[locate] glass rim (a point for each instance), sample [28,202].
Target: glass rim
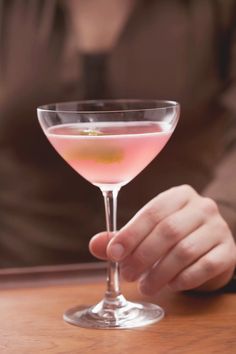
[166,104]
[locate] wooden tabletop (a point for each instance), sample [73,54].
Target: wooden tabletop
[32,302]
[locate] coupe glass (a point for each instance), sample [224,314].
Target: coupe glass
[109,142]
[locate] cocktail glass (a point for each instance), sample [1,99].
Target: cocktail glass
[109,142]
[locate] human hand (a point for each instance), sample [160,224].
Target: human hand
[178,239]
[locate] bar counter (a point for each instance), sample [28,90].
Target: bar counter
[32,302]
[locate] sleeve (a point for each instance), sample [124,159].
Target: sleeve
[31,40]
[31,56]
[223,188]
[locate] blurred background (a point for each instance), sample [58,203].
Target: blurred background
[53,51]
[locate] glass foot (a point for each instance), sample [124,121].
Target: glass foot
[128,315]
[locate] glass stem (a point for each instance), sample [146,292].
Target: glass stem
[112,295]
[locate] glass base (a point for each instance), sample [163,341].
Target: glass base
[103,315]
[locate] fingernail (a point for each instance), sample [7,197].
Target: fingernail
[116,251]
[144,288]
[148,288]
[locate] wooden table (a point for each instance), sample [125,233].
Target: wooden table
[32,302]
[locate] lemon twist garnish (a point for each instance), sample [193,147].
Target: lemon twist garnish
[90,132]
[100,154]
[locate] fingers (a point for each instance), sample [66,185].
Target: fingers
[184,254]
[128,238]
[177,239]
[199,258]
[163,237]
[214,263]
[98,245]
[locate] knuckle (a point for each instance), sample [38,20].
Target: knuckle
[185,251]
[209,206]
[222,228]
[151,214]
[169,228]
[187,189]
[210,265]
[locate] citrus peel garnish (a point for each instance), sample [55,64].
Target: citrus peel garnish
[101,154]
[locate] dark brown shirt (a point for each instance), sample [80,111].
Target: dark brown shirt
[177,50]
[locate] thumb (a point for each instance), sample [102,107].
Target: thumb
[98,245]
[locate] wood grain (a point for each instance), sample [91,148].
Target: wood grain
[31,322]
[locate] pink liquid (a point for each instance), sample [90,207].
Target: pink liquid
[109,153]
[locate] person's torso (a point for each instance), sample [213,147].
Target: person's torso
[167,50]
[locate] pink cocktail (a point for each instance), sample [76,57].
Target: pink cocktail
[109,153]
[109,142]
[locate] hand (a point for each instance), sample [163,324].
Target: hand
[178,239]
